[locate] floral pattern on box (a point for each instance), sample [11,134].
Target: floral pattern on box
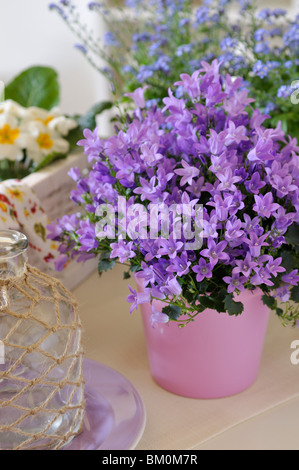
[20,209]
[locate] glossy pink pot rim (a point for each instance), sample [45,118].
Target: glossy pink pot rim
[215,356]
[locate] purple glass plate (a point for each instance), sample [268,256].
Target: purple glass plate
[115,414]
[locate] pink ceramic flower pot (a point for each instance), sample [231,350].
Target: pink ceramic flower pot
[213,357]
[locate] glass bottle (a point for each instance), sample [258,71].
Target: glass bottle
[41,383]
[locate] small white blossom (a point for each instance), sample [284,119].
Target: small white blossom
[32,132]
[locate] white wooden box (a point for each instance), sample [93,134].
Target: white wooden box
[53,186]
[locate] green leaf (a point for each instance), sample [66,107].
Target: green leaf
[36,86]
[269,301]
[292,235]
[105,263]
[52,157]
[295,294]
[279,312]
[190,296]
[288,260]
[172,311]
[284,118]
[219,306]
[13,170]
[202,287]
[133,268]
[219,300]
[88,120]
[127,275]
[74,136]
[200,308]
[232,307]
[284,126]
[207,302]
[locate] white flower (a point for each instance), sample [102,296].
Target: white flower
[12,139]
[43,141]
[62,124]
[11,108]
[38,114]
[54,119]
[37,131]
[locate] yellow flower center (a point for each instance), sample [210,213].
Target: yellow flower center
[8,135]
[46,121]
[44,141]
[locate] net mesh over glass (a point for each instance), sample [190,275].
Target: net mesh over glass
[41,379]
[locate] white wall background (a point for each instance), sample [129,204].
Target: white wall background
[291,5]
[30,34]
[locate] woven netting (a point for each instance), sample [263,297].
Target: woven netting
[41,379]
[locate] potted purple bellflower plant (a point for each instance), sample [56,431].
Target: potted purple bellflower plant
[199,200]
